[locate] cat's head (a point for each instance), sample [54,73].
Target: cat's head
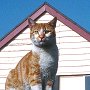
[43,34]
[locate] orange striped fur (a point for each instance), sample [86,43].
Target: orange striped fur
[29,71]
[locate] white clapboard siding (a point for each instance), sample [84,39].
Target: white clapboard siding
[4,72]
[12,53]
[74,51]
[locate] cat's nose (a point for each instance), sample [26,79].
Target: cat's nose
[42,36]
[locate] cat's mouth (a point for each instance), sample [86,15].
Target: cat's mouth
[40,42]
[43,42]
[41,39]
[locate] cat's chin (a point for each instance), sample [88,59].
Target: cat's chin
[41,44]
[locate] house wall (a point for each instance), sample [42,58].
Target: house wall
[74,51]
[12,53]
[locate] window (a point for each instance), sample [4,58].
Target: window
[72,83]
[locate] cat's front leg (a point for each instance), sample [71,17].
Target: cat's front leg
[36,87]
[35,82]
[49,85]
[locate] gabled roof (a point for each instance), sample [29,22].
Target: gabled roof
[45,8]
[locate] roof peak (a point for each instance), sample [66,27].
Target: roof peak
[45,7]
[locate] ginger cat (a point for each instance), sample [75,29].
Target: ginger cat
[37,69]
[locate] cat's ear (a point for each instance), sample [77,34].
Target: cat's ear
[31,22]
[53,22]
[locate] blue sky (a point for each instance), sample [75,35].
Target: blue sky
[13,12]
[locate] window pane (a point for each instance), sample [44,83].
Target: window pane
[72,83]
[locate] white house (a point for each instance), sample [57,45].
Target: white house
[74,50]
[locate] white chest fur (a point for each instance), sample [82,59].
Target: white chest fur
[48,56]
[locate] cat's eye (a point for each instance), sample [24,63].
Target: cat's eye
[35,31]
[46,31]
